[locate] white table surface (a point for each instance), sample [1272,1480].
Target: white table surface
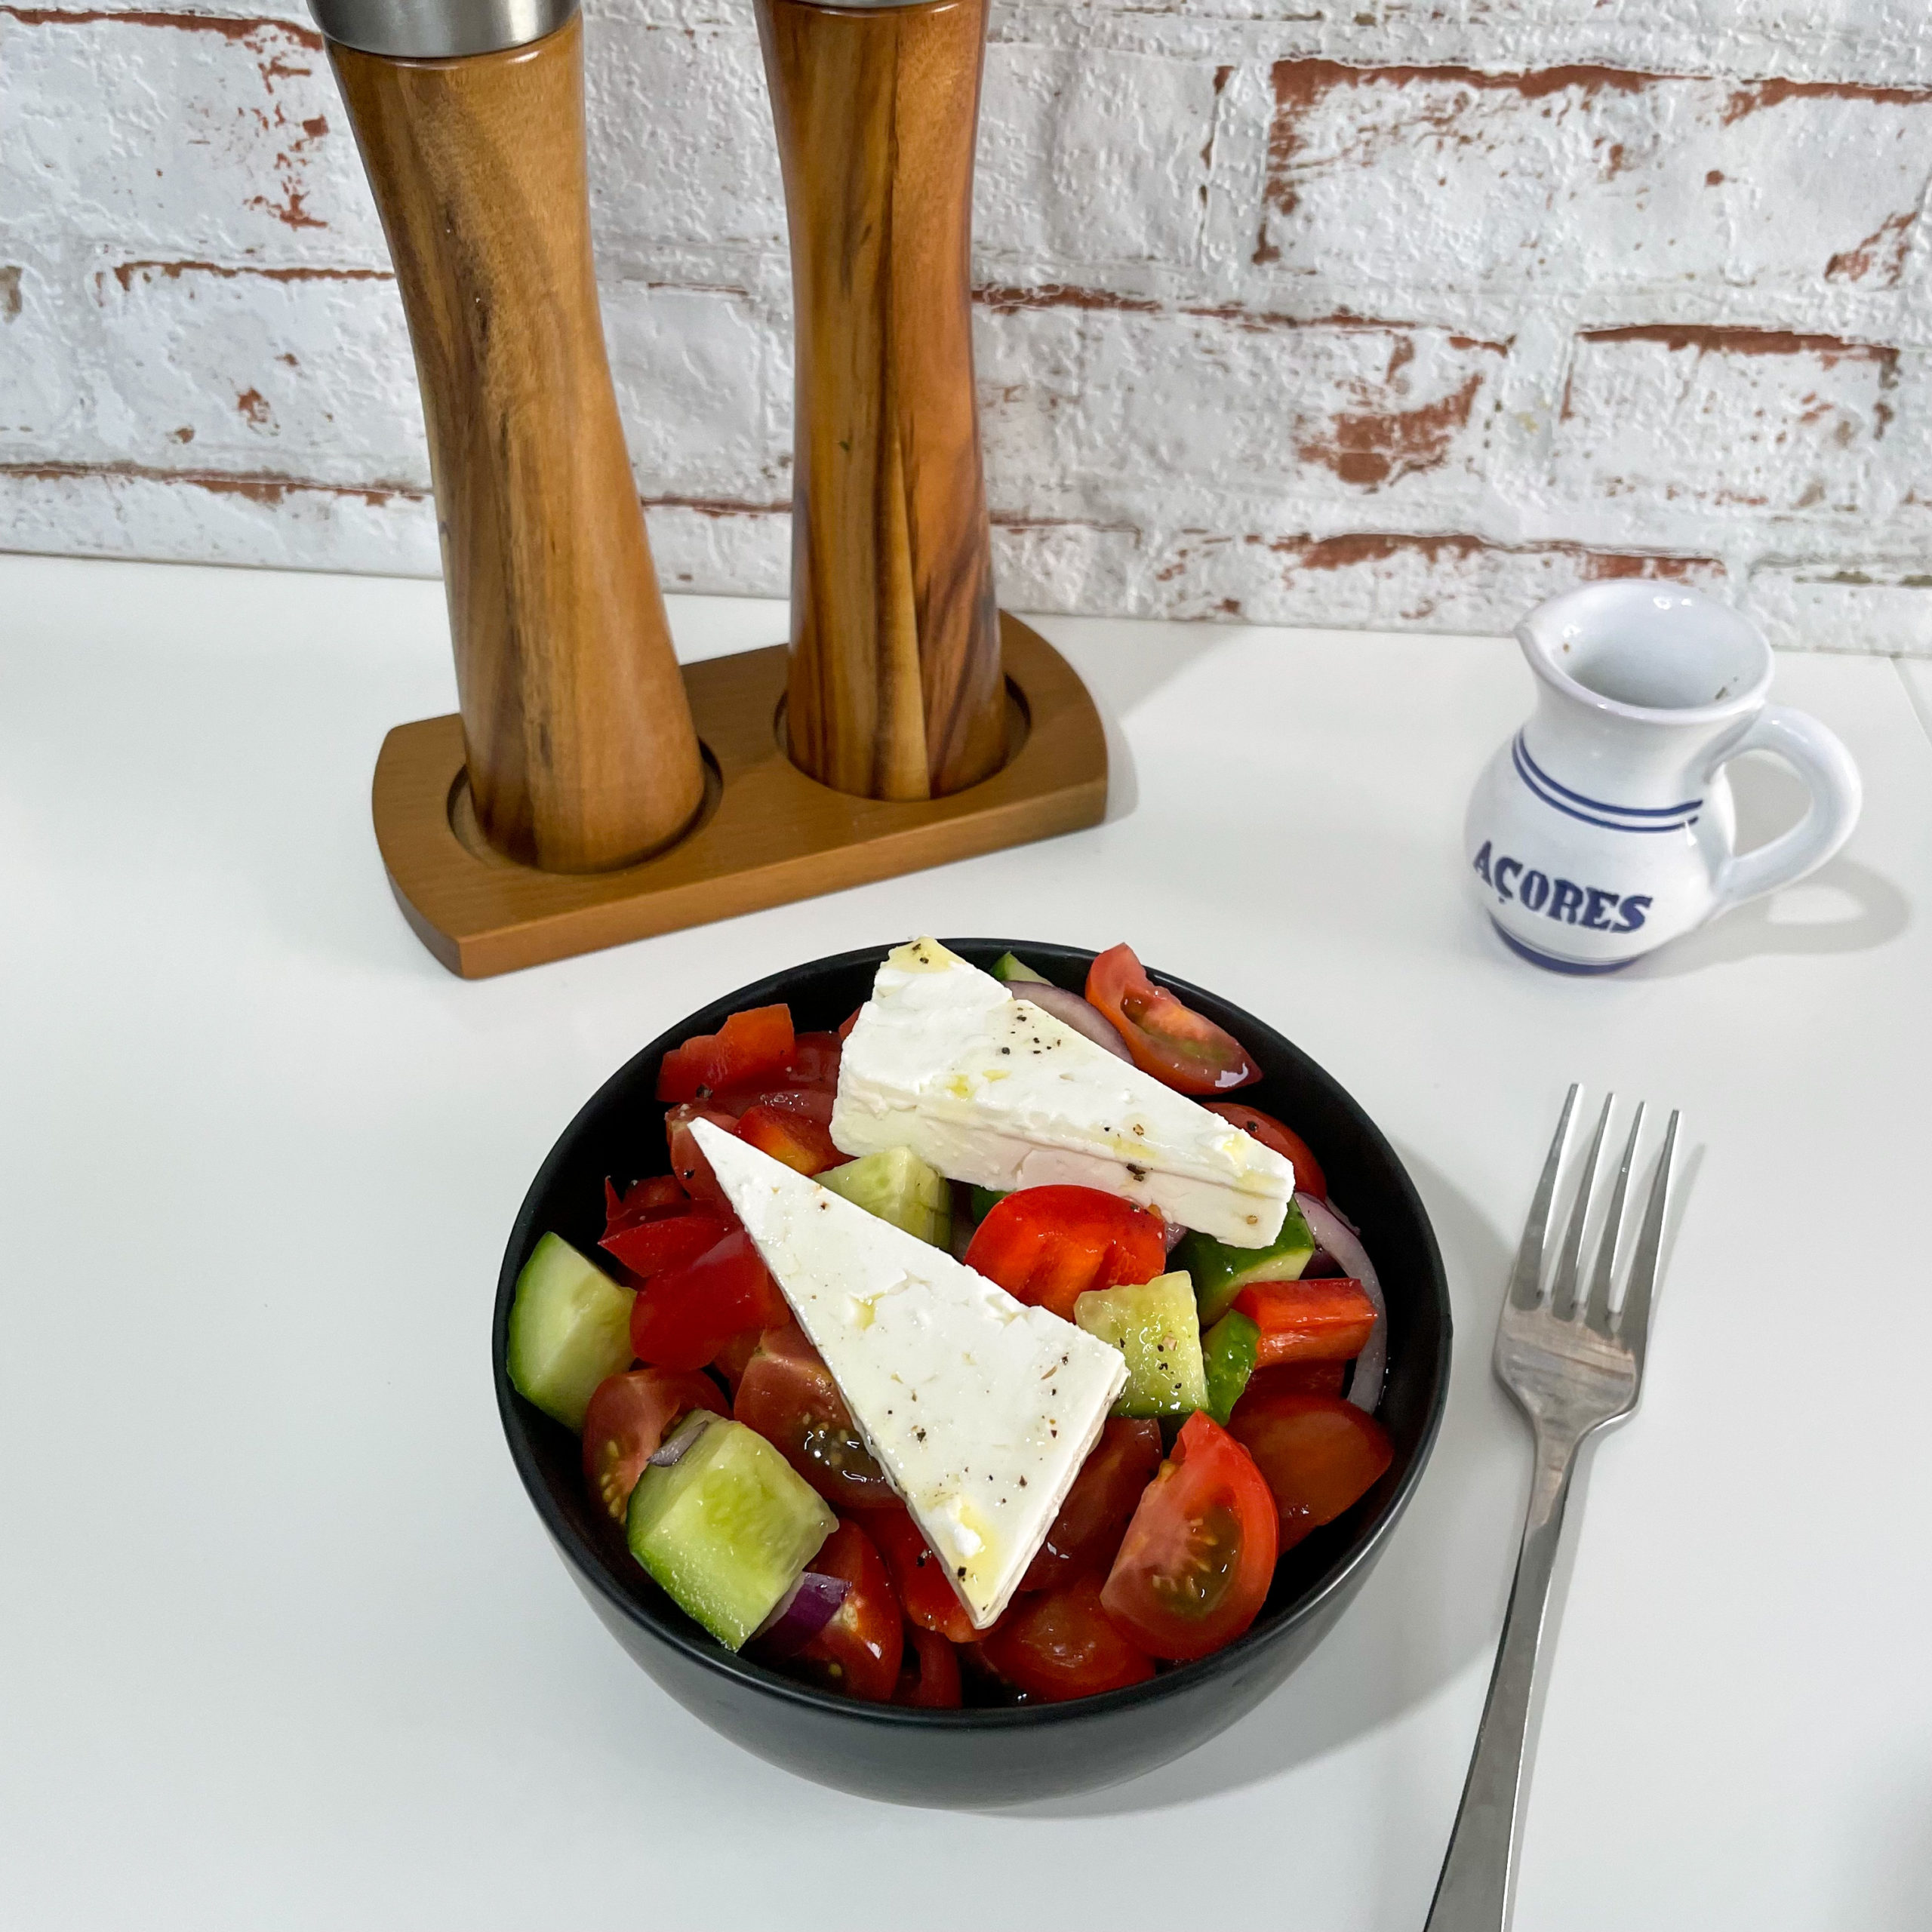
[281,1643]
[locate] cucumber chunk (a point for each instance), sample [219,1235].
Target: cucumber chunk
[1010,969]
[727,1529]
[899,1187]
[985,1200]
[1220,1272]
[1227,1353]
[1154,1326]
[569,1327]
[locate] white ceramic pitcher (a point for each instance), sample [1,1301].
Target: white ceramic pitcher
[1604,827]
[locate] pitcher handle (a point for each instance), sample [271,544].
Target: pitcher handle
[1821,760]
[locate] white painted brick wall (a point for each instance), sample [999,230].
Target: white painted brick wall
[1392,311]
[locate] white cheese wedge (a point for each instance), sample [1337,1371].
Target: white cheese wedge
[991,1089]
[980,1409]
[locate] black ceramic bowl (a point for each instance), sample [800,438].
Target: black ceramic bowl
[984,1757]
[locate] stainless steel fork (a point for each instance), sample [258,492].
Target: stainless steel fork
[1573,1365]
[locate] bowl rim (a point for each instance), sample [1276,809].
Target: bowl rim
[590,1563]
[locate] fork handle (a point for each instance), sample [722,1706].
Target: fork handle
[1478,1873]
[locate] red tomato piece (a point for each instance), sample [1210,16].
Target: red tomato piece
[846,1025]
[789,1135]
[1317,1454]
[858,1651]
[920,1577]
[788,1396]
[1271,1132]
[1193,1568]
[1094,1518]
[1048,1245]
[929,1672]
[1295,1378]
[1064,1645]
[629,1417]
[748,1047]
[647,1247]
[687,1162]
[682,1317]
[1318,1320]
[814,1061]
[1167,1038]
[732,1360]
[642,1201]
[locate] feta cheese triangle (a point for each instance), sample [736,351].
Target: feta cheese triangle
[980,1409]
[990,1089]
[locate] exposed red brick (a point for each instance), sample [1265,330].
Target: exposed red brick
[229,26]
[253,405]
[1885,248]
[265,486]
[1738,341]
[1003,300]
[1300,84]
[10,291]
[1775,92]
[124,272]
[1336,553]
[1370,448]
[715,506]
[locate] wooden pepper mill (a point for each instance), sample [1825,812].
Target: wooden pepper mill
[577,735]
[920,725]
[895,689]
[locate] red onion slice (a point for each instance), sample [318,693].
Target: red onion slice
[1070,1009]
[1173,1234]
[671,1451]
[802,1612]
[1339,1239]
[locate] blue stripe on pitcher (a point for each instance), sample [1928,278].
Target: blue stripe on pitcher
[1545,788]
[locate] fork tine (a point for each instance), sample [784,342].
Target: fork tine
[1526,1284]
[1633,1323]
[1598,1314]
[1563,1289]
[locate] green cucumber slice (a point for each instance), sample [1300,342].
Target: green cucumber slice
[569,1327]
[1220,1272]
[1227,1353]
[899,1187]
[985,1200]
[1010,970]
[1153,1325]
[727,1529]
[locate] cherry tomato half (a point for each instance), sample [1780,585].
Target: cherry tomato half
[682,1317]
[1194,1566]
[789,1133]
[748,1046]
[1317,1454]
[1063,1643]
[1318,1320]
[670,1241]
[858,1651]
[1271,1132]
[919,1576]
[787,1394]
[643,1200]
[1048,1245]
[928,1672]
[1167,1039]
[687,1162]
[1294,1378]
[628,1419]
[1093,1519]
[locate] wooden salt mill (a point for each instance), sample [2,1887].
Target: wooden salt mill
[578,740]
[895,689]
[572,804]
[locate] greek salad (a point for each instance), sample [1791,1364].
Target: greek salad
[989,1350]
